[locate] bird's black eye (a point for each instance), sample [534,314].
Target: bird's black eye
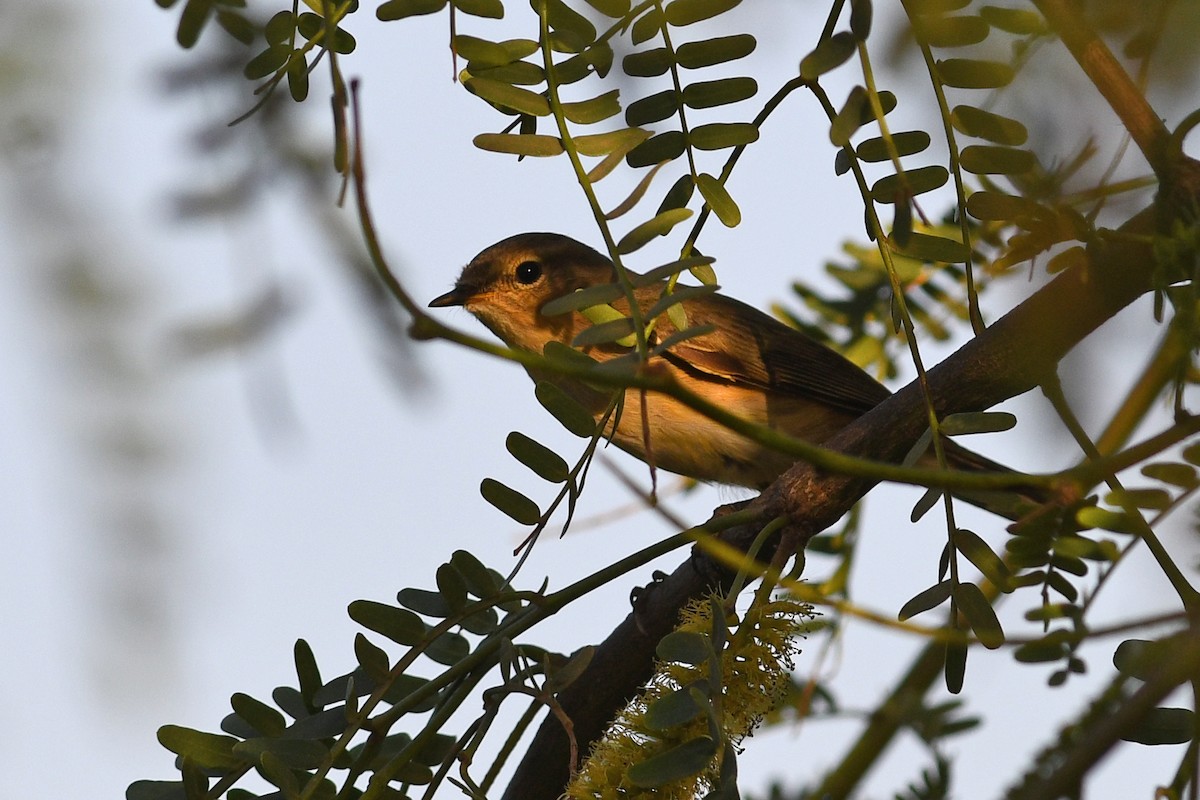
[528,272]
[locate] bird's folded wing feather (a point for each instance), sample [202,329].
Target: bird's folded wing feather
[749,347]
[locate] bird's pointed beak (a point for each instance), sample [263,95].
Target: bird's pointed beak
[455,297]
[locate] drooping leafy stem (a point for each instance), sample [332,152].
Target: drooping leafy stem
[552,95]
[939,93]
[1188,596]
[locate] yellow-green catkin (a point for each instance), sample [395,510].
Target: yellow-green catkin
[755,663]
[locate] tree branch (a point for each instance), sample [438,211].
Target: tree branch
[1009,358]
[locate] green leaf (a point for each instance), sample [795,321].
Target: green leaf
[861,13]
[956,667]
[679,762]
[267,62]
[510,501]
[610,326]
[545,463]
[297,77]
[566,410]
[646,27]
[517,73]
[687,12]
[293,753]
[307,673]
[907,143]
[481,53]
[278,774]
[707,52]
[1096,517]
[192,21]
[156,790]
[1154,499]
[828,55]
[993,160]
[982,556]
[481,581]
[562,675]
[508,96]
[260,716]
[913,182]
[684,647]
[489,9]
[1051,647]
[583,298]
[660,225]
[663,147]
[400,625]
[399,9]
[1164,726]
[960,30]
[978,421]
[372,659]
[207,750]
[588,112]
[982,124]
[665,271]
[519,144]
[850,117]
[980,614]
[566,20]
[675,709]
[681,294]
[969,73]
[1018,21]
[452,587]
[927,501]
[924,600]
[619,141]
[423,601]
[680,192]
[719,135]
[448,649]
[708,94]
[718,199]
[654,108]
[925,247]
[1141,658]
[611,8]
[1181,475]
[647,63]
[988,206]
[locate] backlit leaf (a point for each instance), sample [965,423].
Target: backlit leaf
[719,135]
[660,225]
[718,200]
[520,144]
[906,143]
[986,125]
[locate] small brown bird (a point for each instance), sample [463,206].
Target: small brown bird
[750,363]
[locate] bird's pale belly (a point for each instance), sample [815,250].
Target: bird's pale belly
[686,442]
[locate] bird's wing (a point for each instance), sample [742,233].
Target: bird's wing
[749,347]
